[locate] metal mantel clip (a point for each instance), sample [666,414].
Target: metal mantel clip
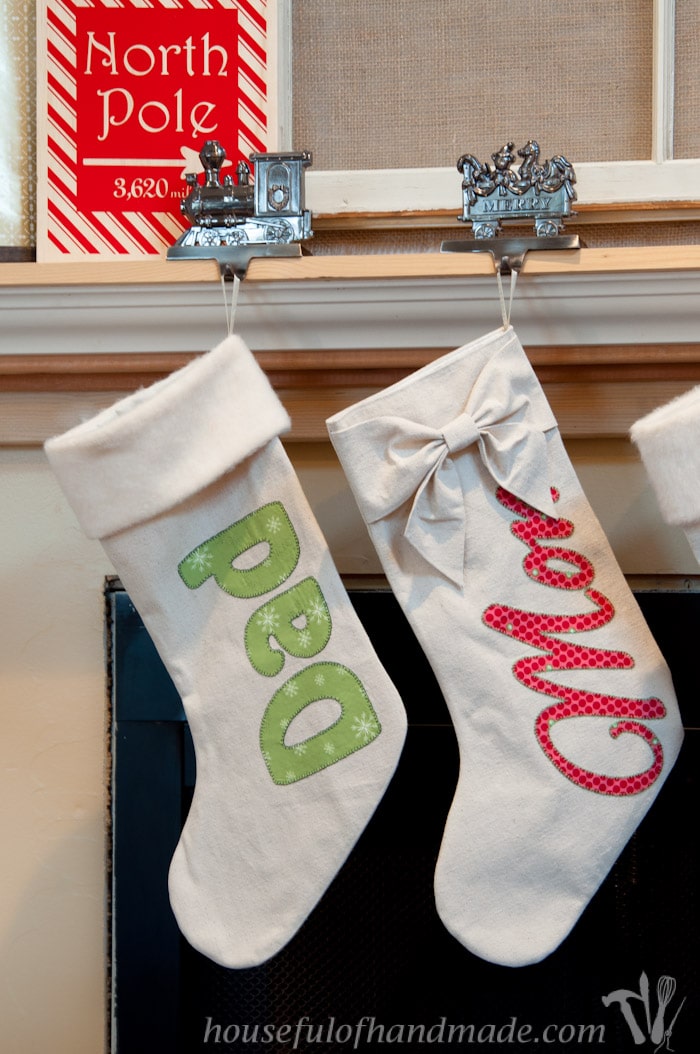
[499,194]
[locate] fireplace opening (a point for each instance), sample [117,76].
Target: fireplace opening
[373,965]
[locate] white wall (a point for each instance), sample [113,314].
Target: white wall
[52,766]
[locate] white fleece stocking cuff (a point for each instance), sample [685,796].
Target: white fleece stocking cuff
[200,422]
[669,443]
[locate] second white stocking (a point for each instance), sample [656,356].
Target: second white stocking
[564,709]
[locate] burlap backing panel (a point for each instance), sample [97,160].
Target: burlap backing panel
[416,83]
[686,139]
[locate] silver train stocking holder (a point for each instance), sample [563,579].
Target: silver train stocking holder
[234,220]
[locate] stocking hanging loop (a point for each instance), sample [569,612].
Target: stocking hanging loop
[509,257]
[230,305]
[507,308]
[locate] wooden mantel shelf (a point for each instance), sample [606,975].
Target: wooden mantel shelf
[632,260]
[611,333]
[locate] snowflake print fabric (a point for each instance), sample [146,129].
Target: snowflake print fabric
[355,726]
[275,621]
[297,728]
[563,707]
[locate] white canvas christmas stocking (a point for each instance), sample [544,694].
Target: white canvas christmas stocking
[297,728]
[563,706]
[669,443]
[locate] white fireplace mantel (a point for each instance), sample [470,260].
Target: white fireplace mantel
[333,306]
[611,333]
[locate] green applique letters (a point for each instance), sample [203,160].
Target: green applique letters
[355,728]
[297,622]
[275,621]
[215,557]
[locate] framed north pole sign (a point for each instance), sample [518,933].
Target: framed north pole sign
[128,92]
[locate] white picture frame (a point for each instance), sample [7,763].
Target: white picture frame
[662,180]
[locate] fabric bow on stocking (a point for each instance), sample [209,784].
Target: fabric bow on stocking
[409,460]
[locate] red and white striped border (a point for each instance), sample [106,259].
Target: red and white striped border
[64,231]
